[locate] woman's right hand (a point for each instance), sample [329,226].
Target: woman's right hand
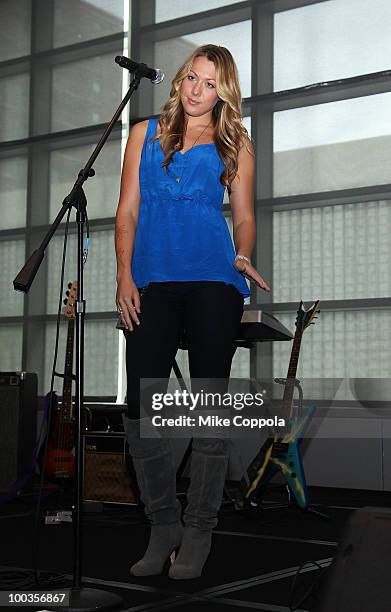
[128,301]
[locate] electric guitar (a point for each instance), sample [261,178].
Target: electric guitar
[282,453]
[60,460]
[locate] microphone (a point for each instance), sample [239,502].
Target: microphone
[153,74]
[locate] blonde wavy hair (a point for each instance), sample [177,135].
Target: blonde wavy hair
[230,133]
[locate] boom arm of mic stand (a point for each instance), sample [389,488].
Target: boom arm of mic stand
[26,275]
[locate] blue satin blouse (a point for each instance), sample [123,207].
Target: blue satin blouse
[181,233]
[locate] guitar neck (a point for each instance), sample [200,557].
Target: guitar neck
[66,407]
[305,317]
[291,376]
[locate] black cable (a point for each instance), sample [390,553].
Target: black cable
[24,580]
[87,241]
[295,589]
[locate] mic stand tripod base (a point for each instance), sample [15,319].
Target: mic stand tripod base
[91,600]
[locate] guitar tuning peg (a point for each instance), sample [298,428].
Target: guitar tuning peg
[69,285]
[65,301]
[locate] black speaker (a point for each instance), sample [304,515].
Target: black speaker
[18,424]
[359,577]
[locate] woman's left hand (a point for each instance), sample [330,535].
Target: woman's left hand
[251,273]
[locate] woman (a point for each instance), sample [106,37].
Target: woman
[177,273]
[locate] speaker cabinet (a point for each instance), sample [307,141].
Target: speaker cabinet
[18,424]
[359,577]
[108,470]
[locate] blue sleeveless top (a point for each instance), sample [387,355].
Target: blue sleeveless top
[181,233]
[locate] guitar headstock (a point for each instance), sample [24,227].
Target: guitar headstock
[305,317]
[70,301]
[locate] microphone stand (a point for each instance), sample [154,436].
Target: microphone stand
[81,598]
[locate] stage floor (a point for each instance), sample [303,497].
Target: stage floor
[253,562]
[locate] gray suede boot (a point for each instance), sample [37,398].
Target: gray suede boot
[207,476]
[156,476]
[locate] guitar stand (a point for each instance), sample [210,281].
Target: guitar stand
[291,504]
[284,456]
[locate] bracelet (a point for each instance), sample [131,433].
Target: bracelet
[243,257]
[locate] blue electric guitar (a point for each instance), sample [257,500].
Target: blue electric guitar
[282,453]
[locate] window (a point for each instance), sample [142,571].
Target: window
[179,8]
[330,146]
[331,40]
[48,131]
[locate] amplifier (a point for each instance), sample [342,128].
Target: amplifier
[105,417]
[18,430]
[108,469]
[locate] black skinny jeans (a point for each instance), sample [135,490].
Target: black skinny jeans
[207,312]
